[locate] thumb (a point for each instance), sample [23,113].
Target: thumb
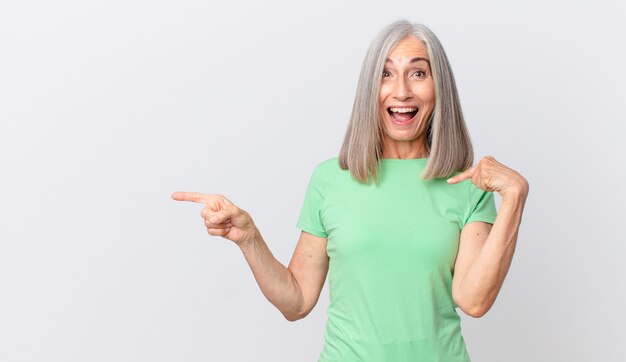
[224,202]
[228,212]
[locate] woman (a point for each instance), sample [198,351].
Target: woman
[401,252]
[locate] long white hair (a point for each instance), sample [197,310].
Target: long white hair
[448,141]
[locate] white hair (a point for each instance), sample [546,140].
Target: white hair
[448,141]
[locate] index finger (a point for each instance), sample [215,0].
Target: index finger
[462,176]
[190,196]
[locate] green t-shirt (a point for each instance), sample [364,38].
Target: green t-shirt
[392,250]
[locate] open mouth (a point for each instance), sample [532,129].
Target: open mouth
[402,115]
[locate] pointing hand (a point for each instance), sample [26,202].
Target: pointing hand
[490,175]
[222,217]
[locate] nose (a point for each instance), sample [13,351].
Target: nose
[402,90]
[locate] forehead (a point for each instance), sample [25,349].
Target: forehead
[408,48]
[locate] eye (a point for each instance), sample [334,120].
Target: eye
[386,73]
[420,73]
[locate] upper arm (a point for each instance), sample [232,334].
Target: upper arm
[472,239]
[309,266]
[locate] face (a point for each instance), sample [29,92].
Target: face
[407,96]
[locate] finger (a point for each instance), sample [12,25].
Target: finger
[190,196]
[462,176]
[224,201]
[218,232]
[206,213]
[224,215]
[225,225]
[477,180]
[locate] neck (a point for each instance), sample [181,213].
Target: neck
[405,149]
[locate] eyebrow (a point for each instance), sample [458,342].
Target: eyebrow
[414,60]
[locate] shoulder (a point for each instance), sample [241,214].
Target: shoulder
[326,171]
[327,167]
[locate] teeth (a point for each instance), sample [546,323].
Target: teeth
[403,110]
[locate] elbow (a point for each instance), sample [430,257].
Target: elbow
[295,314]
[292,317]
[474,310]
[477,311]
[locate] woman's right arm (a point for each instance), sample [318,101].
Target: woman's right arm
[295,289]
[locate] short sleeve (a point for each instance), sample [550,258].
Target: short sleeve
[482,205]
[310,219]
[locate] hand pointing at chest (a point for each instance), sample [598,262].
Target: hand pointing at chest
[490,175]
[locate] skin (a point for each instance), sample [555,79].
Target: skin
[406,82]
[485,250]
[295,289]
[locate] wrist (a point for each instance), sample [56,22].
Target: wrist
[516,195]
[249,243]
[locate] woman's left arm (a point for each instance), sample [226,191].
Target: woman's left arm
[485,251]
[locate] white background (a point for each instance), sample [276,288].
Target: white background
[107,107]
